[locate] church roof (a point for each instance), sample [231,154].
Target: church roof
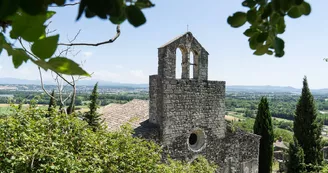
[179,37]
[134,113]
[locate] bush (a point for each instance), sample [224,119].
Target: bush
[246,125]
[30,142]
[287,136]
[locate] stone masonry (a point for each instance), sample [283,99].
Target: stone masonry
[188,113]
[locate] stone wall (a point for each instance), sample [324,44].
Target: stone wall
[189,104]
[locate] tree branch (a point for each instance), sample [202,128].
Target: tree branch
[42,85]
[118,33]
[64,5]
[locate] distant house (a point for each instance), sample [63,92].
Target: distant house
[279,153]
[279,145]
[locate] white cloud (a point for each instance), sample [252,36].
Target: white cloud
[106,75]
[87,54]
[138,76]
[119,66]
[137,73]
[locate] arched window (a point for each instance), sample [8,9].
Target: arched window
[178,63]
[191,67]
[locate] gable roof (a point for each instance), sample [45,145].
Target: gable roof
[179,37]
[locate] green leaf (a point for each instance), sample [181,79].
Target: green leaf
[262,37]
[8,8]
[274,18]
[88,13]
[249,3]
[100,8]
[144,4]
[276,5]
[251,16]
[279,46]
[237,19]
[19,56]
[285,5]
[298,2]
[117,7]
[261,50]
[253,41]
[267,11]
[281,26]
[250,32]
[269,52]
[2,41]
[50,14]
[305,8]
[30,28]
[41,63]
[82,6]
[66,66]
[59,2]
[33,7]
[118,20]
[295,12]
[46,47]
[135,15]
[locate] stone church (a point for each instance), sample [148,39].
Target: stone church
[189,112]
[186,116]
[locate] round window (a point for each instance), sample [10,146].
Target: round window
[196,140]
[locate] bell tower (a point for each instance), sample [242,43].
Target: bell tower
[188,111]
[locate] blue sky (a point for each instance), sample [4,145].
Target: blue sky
[133,56]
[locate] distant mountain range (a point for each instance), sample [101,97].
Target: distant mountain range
[233,88]
[268,88]
[81,82]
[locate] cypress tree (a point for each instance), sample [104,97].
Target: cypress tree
[295,162]
[52,102]
[307,128]
[263,127]
[92,116]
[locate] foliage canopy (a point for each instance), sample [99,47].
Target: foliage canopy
[267,21]
[28,24]
[263,127]
[31,142]
[307,129]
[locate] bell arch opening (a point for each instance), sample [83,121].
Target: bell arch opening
[178,63]
[191,61]
[193,64]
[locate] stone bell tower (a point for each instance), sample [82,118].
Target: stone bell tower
[188,111]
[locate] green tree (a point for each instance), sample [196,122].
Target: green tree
[263,127]
[31,143]
[52,102]
[26,21]
[307,128]
[267,21]
[295,162]
[248,113]
[92,116]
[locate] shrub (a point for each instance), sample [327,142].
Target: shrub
[286,135]
[31,142]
